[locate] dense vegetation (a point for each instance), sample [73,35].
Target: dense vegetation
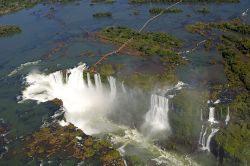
[7,30]
[205,28]
[102,14]
[145,43]
[61,142]
[167,1]
[187,105]
[235,138]
[159,10]
[234,45]
[8,6]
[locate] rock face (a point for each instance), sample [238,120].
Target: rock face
[57,141]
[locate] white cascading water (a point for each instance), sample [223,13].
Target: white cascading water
[123,87]
[200,137]
[244,13]
[157,117]
[161,157]
[112,84]
[228,116]
[85,104]
[206,145]
[211,117]
[205,140]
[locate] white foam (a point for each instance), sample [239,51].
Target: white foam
[85,104]
[22,66]
[63,123]
[211,117]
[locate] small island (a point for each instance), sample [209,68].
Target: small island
[158,10]
[203,10]
[102,14]
[8,30]
[146,44]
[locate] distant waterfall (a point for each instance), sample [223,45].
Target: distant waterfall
[206,145]
[98,82]
[123,87]
[211,125]
[211,117]
[201,136]
[112,84]
[244,13]
[228,116]
[156,118]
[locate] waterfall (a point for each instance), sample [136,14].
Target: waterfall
[157,116]
[112,84]
[244,13]
[228,116]
[206,146]
[89,81]
[123,87]
[217,101]
[211,118]
[86,104]
[200,138]
[98,82]
[203,140]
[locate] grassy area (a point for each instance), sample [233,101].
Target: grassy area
[205,28]
[158,10]
[203,10]
[8,30]
[145,43]
[102,14]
